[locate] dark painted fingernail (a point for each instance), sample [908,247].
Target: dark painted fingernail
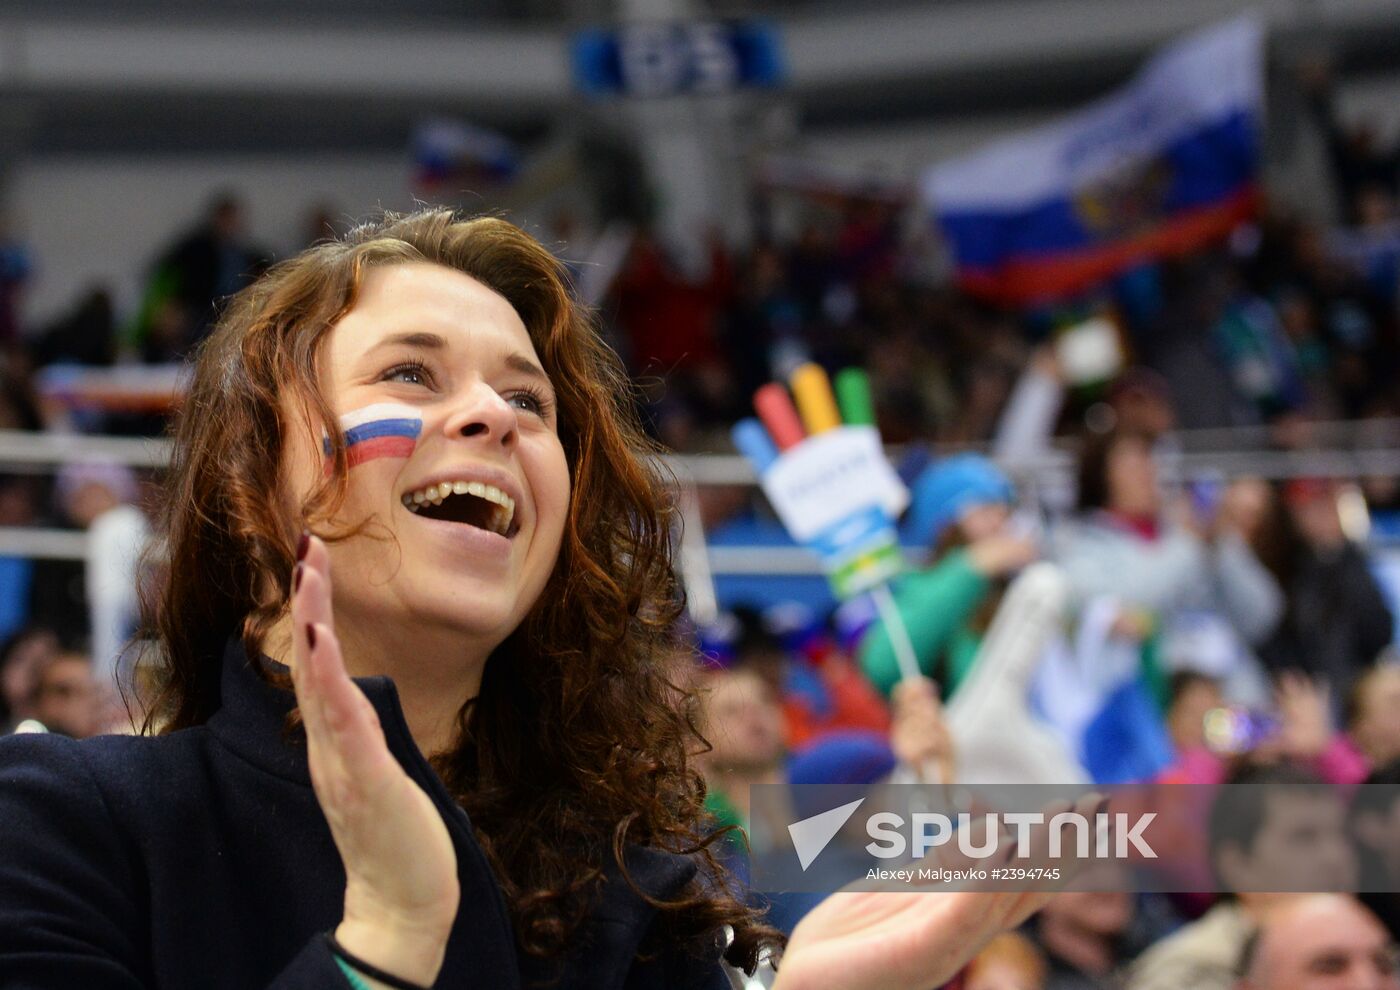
[311,635]
[297,572]
[303,544]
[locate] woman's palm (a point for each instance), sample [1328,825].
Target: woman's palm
[400,864]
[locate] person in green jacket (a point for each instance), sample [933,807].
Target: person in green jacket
[961,507]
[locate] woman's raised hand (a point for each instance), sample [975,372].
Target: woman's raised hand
[401,891]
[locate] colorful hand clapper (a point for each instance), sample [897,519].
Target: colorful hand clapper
[822,466]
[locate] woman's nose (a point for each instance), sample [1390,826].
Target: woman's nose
[485,416]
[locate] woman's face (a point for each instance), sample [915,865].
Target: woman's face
[743,720]
[1132,479]
[979,522]
[465,517]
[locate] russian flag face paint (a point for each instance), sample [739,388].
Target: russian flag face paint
[385,429]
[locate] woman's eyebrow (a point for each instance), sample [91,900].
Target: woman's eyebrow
[522,364]
[430,341]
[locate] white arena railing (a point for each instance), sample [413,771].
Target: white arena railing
[1354,450]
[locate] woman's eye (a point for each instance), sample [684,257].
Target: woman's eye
[411,374]
[528,402]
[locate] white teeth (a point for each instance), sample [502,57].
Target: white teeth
[434,494]
[493,494]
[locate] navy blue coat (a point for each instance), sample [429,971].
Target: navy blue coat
[202,859]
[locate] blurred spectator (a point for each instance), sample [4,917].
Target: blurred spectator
[66,698]
[1375,824]
[87,334]
[1360,164]
[19,406]
[1319,942]
[743,722]
[1297,735]
[1190,589]
[961,507]
[670,327]
[191,278]
[1373,714]
[100,498]
[1261,357]
[44,592]
[764,319]
[743,719]
[1308,735]
[1372,247]
[1139,402]
[1081,933]
[1191,695]
[1010,961]
[1299,731]
[1284,830]
[1336,621]
[818,687]
[22,657]
[1142,405]
[1089,936]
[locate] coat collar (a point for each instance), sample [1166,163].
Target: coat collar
[252,716]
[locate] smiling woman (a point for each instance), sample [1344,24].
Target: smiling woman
[460,762]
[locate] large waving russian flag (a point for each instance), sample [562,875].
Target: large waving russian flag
[1161,167]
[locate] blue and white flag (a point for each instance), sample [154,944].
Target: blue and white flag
[1094,693]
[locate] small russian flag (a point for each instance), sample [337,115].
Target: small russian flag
[385,429]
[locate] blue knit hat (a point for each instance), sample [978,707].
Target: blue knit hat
[847,756]
[946,489]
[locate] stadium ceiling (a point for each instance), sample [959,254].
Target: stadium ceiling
[338,74]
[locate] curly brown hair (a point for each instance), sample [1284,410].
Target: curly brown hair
[606,760]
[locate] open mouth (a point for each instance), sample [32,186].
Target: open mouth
[470,502]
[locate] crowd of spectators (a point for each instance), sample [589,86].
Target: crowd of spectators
[1289,323]
[1285,813]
